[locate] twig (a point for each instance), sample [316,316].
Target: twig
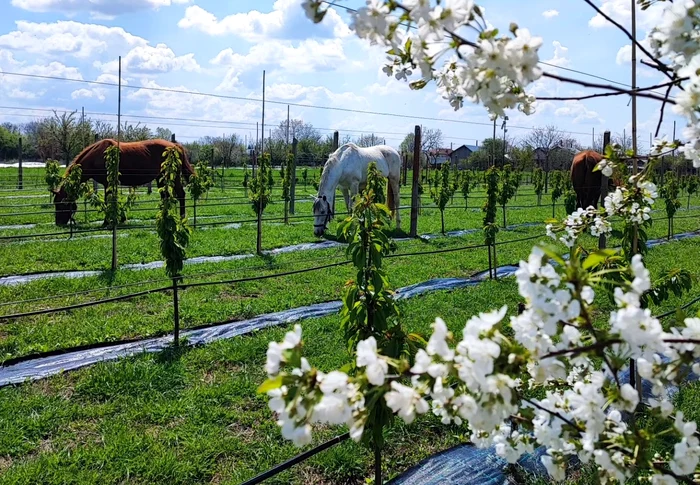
[609,87]
[553,413]
[596,346]
[663,108]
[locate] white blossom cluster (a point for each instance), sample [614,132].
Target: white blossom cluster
[491,70]
[329,398]
[677,38]
[479,381]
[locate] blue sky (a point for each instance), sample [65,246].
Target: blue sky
[223,47]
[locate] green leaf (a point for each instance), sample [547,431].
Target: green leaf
[270,384]
[597,258]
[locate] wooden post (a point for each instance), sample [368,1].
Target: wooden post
[293,188]
[336,140]
[604,189]
[20,183]
[415,196]
[114,189]
[258,245]
[176,314]
[94,182]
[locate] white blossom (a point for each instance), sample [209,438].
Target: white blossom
[405,401]
[376,367]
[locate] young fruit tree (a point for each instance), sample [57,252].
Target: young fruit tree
[507,187]
[670,191]
[173,232]
[538,182]
[467,183]
[441,191]
[52,176]
[552,375]
[261,194]
[200,183]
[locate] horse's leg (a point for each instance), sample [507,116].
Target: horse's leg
[346,196]
[354,190]
[180,194]
[394,187]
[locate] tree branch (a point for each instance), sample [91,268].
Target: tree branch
[660,66]
[619,92]
[609,87]
[661,114]
[579,350]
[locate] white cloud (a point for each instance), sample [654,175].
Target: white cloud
[578,111]
[27,88]
[624,55]
[68,37]
[99,93]
[548,14]
[286,21]
[560,53]
[295,93]
[98,8]
[88,93]
[307,57]
[147,59]
[620,11]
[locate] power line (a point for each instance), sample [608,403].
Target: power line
[299,105]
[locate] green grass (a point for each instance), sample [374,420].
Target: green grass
[193,416]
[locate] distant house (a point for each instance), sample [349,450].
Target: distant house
[439,156]
[459,156]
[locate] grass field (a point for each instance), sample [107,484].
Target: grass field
[193,415]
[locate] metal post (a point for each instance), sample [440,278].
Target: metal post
[287,135]
[262,126]
[114,189]
[293,188]
[94,182]
[493,145]
[604,189]
[20,174]
[634,88]
[176,314]
[415,197]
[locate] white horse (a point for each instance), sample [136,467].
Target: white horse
[347,168]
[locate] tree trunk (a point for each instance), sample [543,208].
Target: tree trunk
[259,239]
[377,465]
[504,216]
[442,220]
[194,206]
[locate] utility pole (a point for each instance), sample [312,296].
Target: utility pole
[262,131]
[493,144]
[288,127]
[505,130]
[634,87]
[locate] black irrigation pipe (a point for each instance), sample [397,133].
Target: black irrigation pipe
[263,277]
[686,305]
[83,305]
[84,292]
[297,459]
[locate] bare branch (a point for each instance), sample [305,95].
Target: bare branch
[609,87]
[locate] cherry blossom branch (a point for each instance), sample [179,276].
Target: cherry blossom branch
[609,87]
[553,413]
[669,85]
[660,66]
[602,345]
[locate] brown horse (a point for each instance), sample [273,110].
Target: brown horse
[139,164]
[586,182]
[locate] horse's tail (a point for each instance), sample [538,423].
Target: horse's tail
[390,196]
[187,168]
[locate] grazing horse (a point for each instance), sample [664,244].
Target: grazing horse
[139,164]
[586,182]
[347,168]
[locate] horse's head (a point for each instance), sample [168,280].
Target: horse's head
[323,214]
[64,207]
